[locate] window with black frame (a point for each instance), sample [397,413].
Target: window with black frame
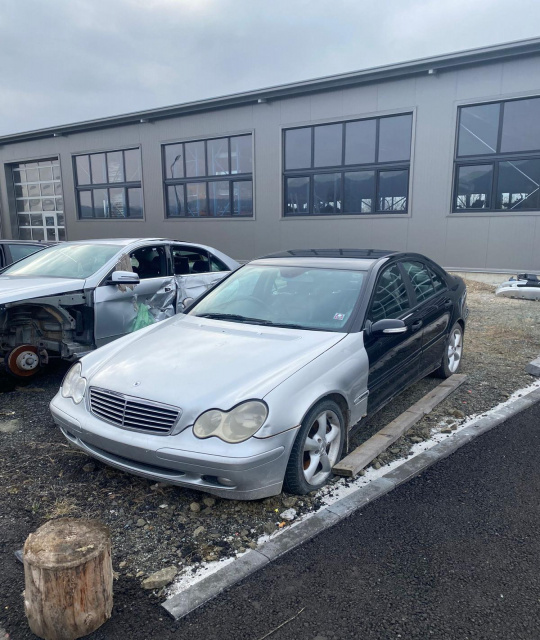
[497,163]
[109,185]
[209,178]
[353,168]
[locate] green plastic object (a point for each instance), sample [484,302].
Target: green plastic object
[143,318]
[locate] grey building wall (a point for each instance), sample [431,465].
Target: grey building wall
[504,241]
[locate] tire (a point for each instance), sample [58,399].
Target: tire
[453,353]
[313,456]
[23,362]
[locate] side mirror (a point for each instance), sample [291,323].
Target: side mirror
[387,327]
[187,302]
[124,277]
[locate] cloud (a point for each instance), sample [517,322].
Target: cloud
[73,60]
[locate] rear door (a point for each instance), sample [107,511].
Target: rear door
[394,358]
[195,270]
[121,309]
[433,308]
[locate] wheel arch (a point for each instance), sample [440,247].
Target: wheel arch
[339,399]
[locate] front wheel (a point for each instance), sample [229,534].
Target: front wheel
[453,352]
[316,450]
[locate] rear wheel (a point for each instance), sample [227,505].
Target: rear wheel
[453,351]
[23,361]
[316,450]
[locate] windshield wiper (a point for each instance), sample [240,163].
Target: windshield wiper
[234,317]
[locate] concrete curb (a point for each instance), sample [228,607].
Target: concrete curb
[197,594]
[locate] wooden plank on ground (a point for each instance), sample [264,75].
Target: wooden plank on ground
[353,463]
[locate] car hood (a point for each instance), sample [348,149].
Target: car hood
[198,364]
[15,288]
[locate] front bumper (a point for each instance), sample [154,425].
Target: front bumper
[249,470]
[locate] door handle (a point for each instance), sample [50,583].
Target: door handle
[168,289]
[416,325]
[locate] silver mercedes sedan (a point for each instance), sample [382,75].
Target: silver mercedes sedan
[254,386]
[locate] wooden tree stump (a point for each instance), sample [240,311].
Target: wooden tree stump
[68,578]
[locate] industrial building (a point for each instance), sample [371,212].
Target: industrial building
[439,155]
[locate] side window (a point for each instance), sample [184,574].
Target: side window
[149,262]
[217,265]
[188,261]
[390,299]
[20,251]
[420,280]
[438,282]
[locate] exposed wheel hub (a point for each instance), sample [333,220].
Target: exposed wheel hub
[27,360]
[23,361]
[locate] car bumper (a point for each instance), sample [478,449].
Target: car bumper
[249,470]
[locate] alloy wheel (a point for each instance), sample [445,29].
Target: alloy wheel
[321,447]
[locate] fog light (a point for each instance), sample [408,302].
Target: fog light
[226,482]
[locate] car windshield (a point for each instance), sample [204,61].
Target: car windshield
[295,297]
[65,261]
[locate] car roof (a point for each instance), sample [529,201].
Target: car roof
[34,243]
[350,259]
[360,254]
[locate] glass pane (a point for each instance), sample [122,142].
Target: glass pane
[21,191]
[38,234]
[243,198]
[395,138]
[45,174]
[45,163]
[218,157]
[392,194]
[420,280]
[174,161]
[23,220]
[241,155]
[132,159]
[195,163]
[519,185]
[33,190]
[328,145]
[51,234]
[473,189]
[30,165]
[101,203]
[36,219]
[32,175]
[219,198]
[197,205]
[390,299]
[58,188]
[50,221]
[23,205]
[117,199]
[437,280]
[175,201]
[85,204]
[135,203]
[297,196]
[47,189]
[35,205]
[115,167]
[19,175]
[48,204]
[327,193]
[59,204]
[298,148]
[83,169]
[360,141]
[359,191]
[97,163]
[56,172]
[61,233]
[521,125]
[25,234]
[60,218]
[478,129]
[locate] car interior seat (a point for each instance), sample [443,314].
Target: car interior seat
[181,265]
[200,266]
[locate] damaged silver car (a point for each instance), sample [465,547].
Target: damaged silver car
[71,298]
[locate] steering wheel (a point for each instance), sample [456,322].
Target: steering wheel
[263,305]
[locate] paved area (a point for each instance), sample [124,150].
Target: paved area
[453,554]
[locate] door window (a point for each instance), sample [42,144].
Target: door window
[390,299]
[217,265]
[187,260]
[149,262]
[20,251]
[438,282]
[420,280]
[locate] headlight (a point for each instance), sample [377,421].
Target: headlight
[74,384]
[237,425]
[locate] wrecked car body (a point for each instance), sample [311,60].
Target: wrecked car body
[75,297]
[526,287]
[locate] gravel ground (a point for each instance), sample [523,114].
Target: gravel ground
[155,526]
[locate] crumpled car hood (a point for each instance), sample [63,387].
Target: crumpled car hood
[198,364]
[16,288]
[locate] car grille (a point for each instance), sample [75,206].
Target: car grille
[133,413]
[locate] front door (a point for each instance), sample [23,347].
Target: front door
[394,358]
[121,309]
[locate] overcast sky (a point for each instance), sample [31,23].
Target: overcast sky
[64,61]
